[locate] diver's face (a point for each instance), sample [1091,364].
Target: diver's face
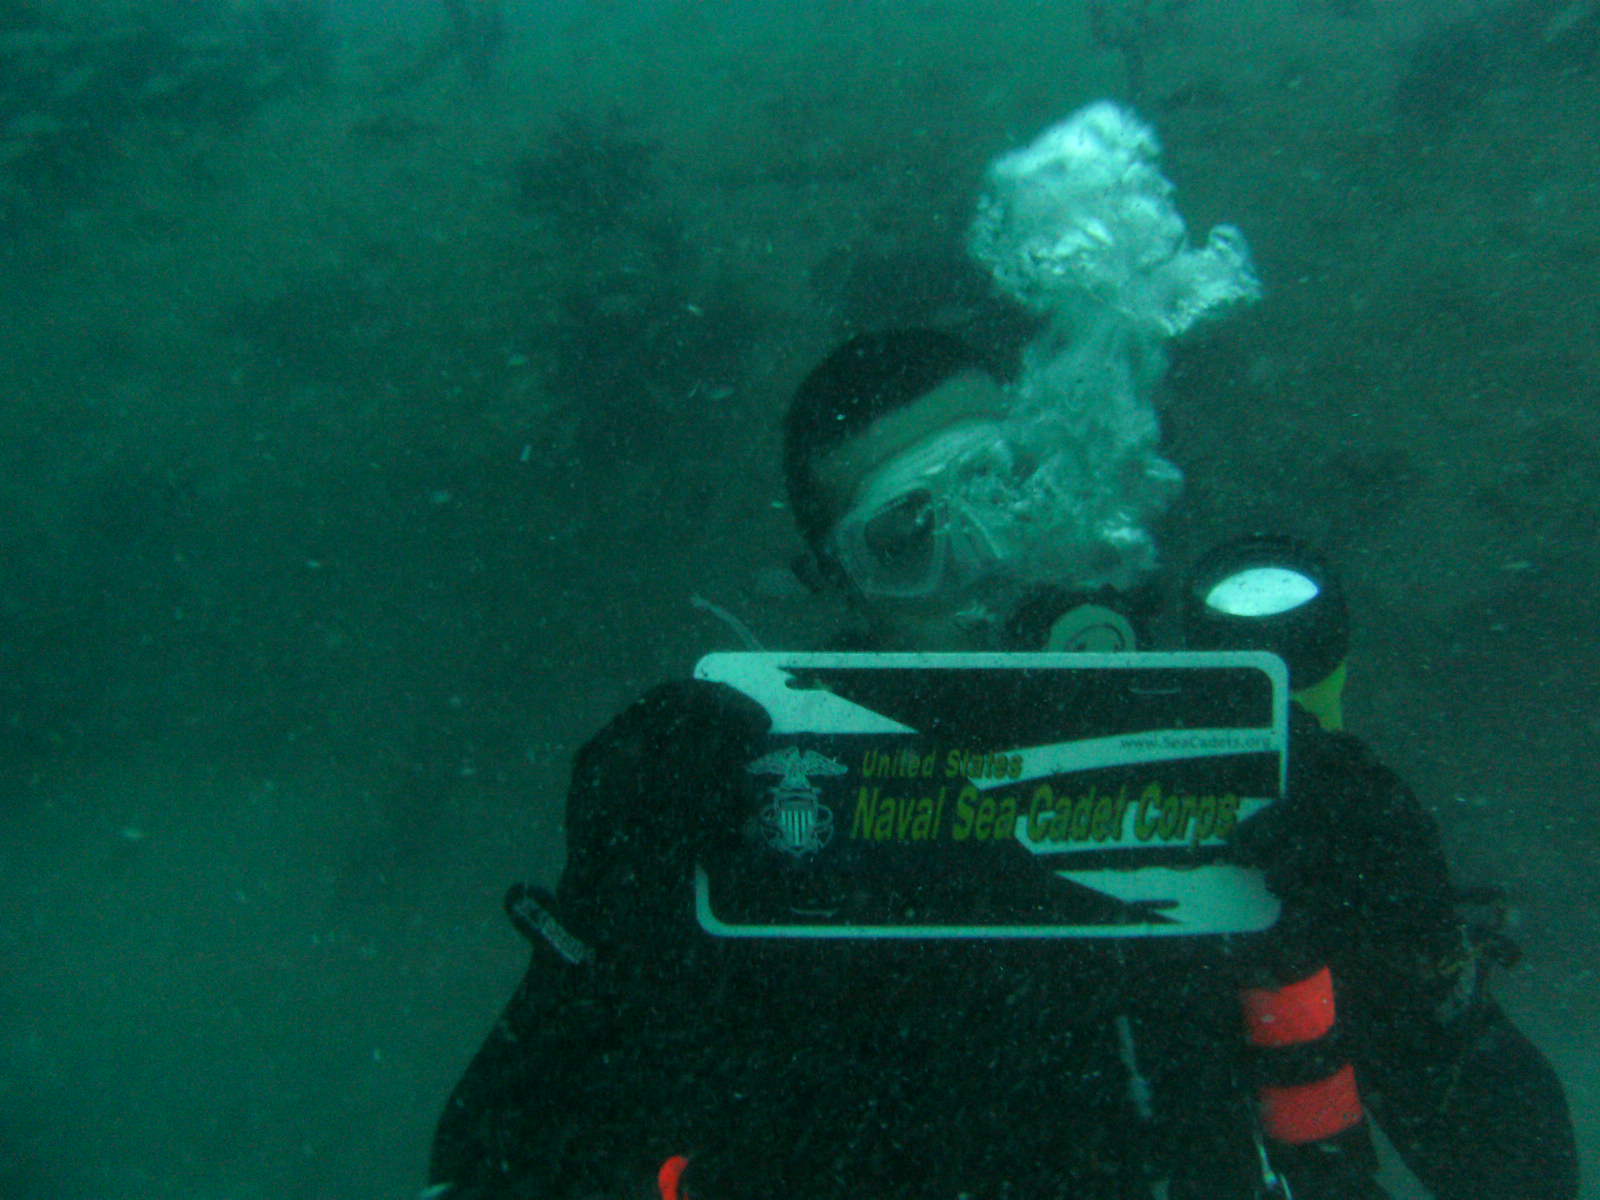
[917,598]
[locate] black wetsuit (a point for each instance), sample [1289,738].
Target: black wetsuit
[990,1070]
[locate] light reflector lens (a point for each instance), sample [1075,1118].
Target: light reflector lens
[1261,592]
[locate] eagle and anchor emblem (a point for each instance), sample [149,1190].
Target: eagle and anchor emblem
[794,819]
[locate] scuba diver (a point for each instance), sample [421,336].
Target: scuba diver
[660,1047]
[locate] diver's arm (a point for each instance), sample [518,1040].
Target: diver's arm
[544,1097]
[1471,1104]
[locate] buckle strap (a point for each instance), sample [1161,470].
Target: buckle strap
[530,911]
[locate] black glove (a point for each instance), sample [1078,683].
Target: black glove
[1354,857]
[648,793]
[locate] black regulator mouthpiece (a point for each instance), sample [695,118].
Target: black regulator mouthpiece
[1267,592]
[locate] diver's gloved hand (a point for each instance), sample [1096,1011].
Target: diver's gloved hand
[661,782]
[1289,844]
[712,719]
[1352,855]
[1295,842]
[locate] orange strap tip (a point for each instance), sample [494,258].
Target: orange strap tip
[670,1175]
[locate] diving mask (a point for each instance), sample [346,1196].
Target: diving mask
[936,518]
